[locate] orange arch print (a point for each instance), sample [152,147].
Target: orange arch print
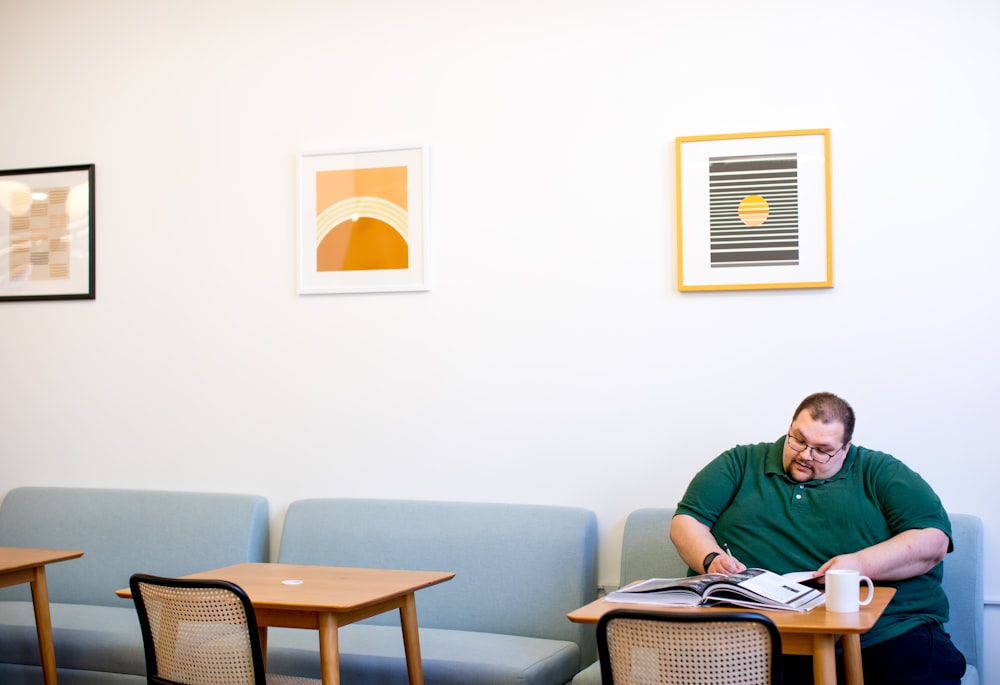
[361,219]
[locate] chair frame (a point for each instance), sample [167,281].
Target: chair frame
[607,677]
[152,670]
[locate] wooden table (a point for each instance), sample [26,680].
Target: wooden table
[22,565]
[324,598]
[813,633]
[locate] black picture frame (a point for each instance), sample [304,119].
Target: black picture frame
[47,233]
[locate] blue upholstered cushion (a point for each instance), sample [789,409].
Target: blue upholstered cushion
[87,637]
[502,620]
[126,531]
[963,583]
[96,633]
[519,569]
[373,654]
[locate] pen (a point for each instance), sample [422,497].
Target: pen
[728,551]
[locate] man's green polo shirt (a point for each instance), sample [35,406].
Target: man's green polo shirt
[770,521]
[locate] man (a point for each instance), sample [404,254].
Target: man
[813,500]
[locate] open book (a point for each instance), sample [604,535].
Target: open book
[754,588]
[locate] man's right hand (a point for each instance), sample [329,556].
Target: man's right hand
[726,565]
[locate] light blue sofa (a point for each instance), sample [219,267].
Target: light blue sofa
[501,621]
[648,553]
[96,633]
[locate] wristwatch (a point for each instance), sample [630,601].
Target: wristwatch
[708,560]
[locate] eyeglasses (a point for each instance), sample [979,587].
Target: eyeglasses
[817,455]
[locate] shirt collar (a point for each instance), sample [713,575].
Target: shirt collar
[772,462]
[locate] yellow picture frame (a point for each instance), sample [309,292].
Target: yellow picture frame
[754,211]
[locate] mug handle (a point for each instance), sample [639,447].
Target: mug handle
[871,590]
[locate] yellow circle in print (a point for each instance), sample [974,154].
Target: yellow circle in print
[753,210]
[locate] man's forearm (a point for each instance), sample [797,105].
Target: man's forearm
[906,555]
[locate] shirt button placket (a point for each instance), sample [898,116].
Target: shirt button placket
[799,492]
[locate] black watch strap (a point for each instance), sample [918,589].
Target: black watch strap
[708,560]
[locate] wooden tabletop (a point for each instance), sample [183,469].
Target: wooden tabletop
[819,620]
[313,588]
[19,558]
[813,633]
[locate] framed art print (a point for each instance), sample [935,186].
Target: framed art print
[47,233]
[362,223]
[753,211]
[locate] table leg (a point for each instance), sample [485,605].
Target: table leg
[851,644]
[329,649]
[262,634]
[43,625]
[824,660]
[411,640]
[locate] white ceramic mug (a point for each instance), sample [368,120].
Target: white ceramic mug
[843,590]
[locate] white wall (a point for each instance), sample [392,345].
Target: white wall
[554,360]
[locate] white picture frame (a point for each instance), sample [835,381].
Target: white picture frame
[362,221]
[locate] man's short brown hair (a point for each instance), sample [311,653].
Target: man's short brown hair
[827,408]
